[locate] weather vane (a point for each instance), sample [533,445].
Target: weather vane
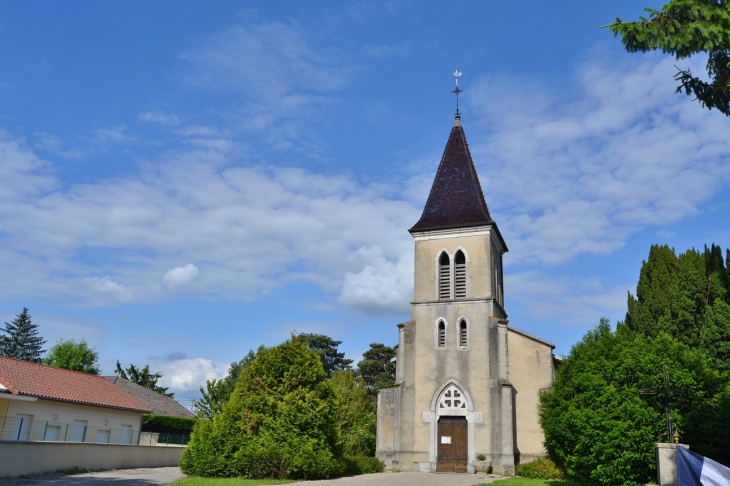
[456,91]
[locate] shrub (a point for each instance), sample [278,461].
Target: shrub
[481,457]
[356,417]
[598,428]
[167,424]
[362,465]
[539,469]
[278,423]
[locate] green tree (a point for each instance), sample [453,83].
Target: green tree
[73,356]
[680,295]
[602,431]
[143,377]
[217,392]
[280,422]
[327,348]
[377,368]
[356,417]
[21,339]
[684,28]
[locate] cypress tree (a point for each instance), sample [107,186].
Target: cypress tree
[21,340]
[651,308]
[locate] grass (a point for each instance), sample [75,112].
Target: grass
[531,482]
[198,481]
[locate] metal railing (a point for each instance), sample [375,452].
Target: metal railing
[159,438]
[27,428]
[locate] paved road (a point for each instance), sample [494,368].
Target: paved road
[165,475]
[409,479]
[118,477]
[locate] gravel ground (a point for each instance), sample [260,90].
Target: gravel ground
[119,477]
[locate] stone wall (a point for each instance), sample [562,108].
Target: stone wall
[22,458]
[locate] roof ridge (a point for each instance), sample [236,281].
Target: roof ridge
[50,366]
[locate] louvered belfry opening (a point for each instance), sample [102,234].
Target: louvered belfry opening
[462,334]
[442,335]
[444,277]
[460,275]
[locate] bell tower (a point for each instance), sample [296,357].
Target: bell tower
[458,362]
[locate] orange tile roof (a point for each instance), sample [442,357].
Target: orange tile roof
[37,380]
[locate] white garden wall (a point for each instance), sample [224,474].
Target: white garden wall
[20,458]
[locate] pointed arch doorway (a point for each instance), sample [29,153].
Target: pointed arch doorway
[453,445]
[452,441]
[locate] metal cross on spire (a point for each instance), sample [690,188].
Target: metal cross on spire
[456,91]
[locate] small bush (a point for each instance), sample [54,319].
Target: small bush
[481,457]
[355,465]
[539,469]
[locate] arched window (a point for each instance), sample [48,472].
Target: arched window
[441,334]
[459,275]
[498,295]
[463,334]
[444,277]
[452,398]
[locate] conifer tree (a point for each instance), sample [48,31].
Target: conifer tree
[21,339]
[142,376]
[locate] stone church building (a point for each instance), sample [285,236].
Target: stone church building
[467,383]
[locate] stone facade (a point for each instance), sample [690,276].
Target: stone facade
[459,342]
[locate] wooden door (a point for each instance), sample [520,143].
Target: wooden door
[453,445]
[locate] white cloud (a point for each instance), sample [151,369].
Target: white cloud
[111,135]
[249,230]
[183,376]
[180,275]
[564,299]
[382,287]
[160,118]
[55,145]
[104,289]
[579,175]
[274,70]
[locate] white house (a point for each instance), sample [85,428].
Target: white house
[43,403]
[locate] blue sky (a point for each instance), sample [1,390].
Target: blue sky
[183,181]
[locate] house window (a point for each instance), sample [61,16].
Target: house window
[102,436]
[444,277]
[125,435]
[463,334]
[78,431]
[460,275]
[22,426]
[441,334]
[53,433]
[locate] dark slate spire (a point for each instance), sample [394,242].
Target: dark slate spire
[456,199]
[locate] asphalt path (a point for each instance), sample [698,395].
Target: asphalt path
[117,477]
[165,475]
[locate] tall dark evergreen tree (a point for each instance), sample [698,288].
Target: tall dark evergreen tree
[682,295]
[377,368]
[143,377]
[326,347]
[21,339]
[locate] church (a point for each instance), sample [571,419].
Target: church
[467,382]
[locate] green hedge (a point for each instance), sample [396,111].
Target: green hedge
[167,424]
